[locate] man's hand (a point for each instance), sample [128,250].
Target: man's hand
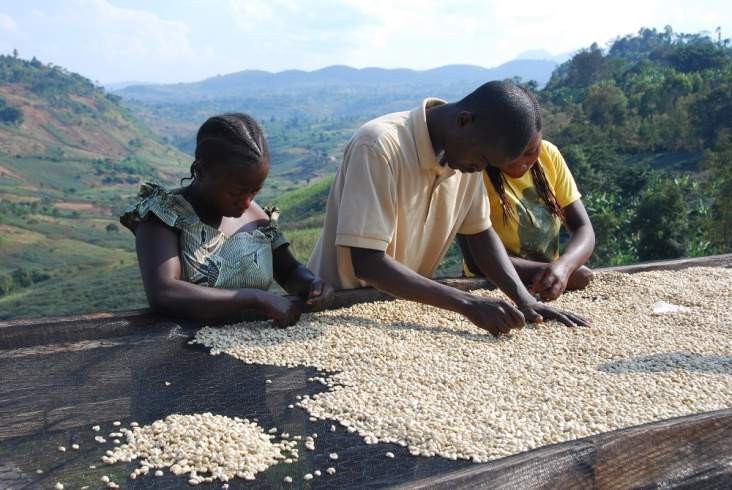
[496,316]
[538,312]
[320,295]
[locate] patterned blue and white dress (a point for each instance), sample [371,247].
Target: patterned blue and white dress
[208,256]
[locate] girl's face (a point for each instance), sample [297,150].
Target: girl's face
[528,158]
[230,189]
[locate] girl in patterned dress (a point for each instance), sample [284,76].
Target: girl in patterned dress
[207,250]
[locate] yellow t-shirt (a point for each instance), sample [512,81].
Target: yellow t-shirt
[533,232]
[391,194]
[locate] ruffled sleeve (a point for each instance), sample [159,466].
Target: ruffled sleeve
[167,207]
[271,230]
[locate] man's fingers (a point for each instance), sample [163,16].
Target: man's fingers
[512,314]
[315,293]
[565,320]
[532,316]
[503,325]
[579,320]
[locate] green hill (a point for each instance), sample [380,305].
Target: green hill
[70,159]
[646,128]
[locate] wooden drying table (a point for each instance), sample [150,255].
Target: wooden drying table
[60,376]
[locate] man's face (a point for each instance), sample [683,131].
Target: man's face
[469,150]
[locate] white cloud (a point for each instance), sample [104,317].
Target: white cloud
[430,33]
[107,42]
[283,34]
[188,40]
[7,23]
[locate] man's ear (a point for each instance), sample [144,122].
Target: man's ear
[465,118]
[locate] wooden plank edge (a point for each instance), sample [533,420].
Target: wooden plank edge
[692,451]
[29,332]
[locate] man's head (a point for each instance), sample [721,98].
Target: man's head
[492,126]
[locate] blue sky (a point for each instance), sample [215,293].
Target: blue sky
[186,40]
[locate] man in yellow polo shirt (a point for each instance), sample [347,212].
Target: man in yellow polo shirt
[409,182]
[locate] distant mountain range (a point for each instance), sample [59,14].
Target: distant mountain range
[253,83]
[543,54]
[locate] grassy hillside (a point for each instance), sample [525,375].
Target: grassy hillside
[71,157]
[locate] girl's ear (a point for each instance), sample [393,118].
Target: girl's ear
[202,175]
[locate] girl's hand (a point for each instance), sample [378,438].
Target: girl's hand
[551,281]
[282,311]
[321,294]
[580,278]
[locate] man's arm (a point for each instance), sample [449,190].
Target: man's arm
[490,257]
[387,275]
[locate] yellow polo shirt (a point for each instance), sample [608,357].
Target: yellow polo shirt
[391,194]
[534,232]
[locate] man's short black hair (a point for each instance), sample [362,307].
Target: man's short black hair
[509,113]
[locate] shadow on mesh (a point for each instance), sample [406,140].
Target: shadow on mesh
[670,361]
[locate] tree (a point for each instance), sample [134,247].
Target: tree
[6,284]
[588,178]
[700,53]
[662,220]
[587,67]
[711,114]
[605,104]
[717,161]
[22,277]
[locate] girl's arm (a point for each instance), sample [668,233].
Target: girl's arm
[552,281]
[158,255]
[297,280]
[582,236]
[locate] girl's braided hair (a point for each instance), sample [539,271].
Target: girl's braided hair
[232,138]
[537,173]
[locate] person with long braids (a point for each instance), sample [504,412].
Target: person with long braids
[530,199]
[207,250]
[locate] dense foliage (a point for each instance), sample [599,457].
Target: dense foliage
[645,127]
